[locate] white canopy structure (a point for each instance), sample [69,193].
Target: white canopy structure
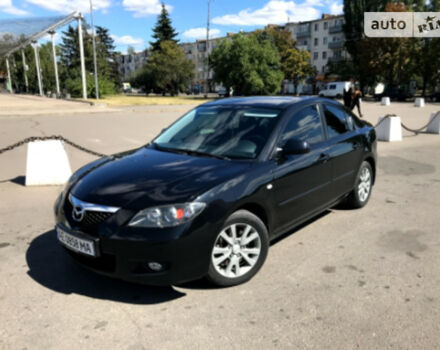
[16,34]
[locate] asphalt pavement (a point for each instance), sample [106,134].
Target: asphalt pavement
[349,279]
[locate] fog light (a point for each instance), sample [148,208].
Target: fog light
[155,266]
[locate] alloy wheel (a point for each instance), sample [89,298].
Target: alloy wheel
[236,250]
[364,185]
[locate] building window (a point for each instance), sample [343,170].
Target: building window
[315,55]
[325,25]
[324,55]
[305,42]
[325,40]
[316,42]
[316,27]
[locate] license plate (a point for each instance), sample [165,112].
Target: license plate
[76,244]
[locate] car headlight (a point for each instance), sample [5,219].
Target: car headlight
[167,215]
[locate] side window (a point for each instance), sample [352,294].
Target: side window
[304,125]
[336,122]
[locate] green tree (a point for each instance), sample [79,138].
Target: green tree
[106,56]
[108,76]
[163,30]
[249,66]
[297,66]
[356,42]
[167,71]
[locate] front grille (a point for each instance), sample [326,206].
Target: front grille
[90,222]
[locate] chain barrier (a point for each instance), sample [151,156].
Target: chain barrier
[97,154]
[415,131]
[383,119]
[46,138]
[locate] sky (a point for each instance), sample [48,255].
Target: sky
[130,22]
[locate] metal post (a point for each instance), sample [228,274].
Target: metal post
[25,68]
[81,53]
[37,65]
[9,84]
[207,49]
[55,64]
[95,66]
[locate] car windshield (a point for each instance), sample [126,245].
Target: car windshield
[223,132]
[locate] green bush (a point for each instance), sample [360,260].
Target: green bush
[106,87]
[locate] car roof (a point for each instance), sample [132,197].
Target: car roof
[282,102]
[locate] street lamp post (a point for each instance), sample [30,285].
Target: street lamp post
[94,51]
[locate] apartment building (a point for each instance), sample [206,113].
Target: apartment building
[323,38]
[198,53]
[129,63]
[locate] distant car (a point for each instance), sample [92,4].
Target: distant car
[395,94]
[222,92]
[435,97]
[335,89]
[207,195]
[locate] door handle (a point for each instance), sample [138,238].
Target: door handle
[324,157]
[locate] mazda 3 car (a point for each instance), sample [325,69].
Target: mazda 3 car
[207,195]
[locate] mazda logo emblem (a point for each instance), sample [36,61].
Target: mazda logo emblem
[78,213]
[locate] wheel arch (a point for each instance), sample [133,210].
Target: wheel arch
[372,163]
[258,210]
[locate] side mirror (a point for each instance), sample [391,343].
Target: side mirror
[296,146]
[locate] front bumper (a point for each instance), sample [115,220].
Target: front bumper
[124,252]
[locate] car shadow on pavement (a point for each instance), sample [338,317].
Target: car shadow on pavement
[51,267]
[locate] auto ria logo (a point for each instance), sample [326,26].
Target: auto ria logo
[402,24]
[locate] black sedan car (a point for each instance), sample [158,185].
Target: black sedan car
[206,196]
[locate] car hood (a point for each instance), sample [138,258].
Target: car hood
[144,177]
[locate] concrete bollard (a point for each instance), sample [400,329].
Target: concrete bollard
[419,102]
[389,129]
[47,163]
[434,123]
[385,101]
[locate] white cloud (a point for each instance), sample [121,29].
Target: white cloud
[68,6]
[143,8]
[200,33]
[6,6]
[274,12]
[336,8]
[127,40]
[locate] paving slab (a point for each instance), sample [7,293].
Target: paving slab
[358,279]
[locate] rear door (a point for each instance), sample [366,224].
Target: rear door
[302,183]
[344,148]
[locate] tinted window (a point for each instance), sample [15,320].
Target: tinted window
[304,125]
[221,131]
[335,118]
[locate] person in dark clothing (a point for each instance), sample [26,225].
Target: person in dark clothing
[348,97]
[356,100]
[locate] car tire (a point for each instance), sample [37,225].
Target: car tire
[239,250]
[361,193]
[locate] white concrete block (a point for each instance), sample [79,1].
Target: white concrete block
[389,129]
[385,101]
[434,123]
[47,163]
[419,102]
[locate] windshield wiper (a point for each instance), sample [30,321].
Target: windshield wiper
[203,154]
[189,152]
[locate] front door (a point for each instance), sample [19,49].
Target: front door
[302,183]
[345,151]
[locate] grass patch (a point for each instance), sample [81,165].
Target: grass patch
[127,100]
